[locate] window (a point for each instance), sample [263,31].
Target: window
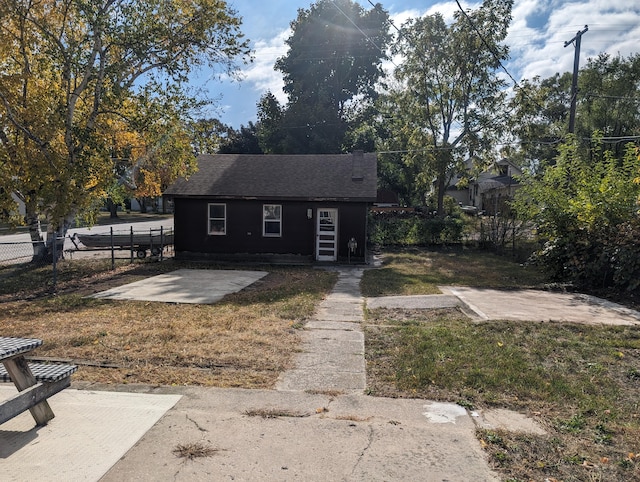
[218,219]
[272,220]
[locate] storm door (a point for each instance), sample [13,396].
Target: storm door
[327,235]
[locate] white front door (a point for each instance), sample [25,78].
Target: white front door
[327,235]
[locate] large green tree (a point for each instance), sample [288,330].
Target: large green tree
[539,120]
[447,103]
[335,55]
[76,74]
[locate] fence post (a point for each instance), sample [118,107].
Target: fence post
[131,242]
[113,254]
[161,243]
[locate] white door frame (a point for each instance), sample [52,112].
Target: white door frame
[327,234]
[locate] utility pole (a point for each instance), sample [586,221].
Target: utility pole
[574,83]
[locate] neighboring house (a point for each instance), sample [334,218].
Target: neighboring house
[489,191]
[386,198]
[275,207]
[388,201]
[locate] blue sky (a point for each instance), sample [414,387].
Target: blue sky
[536,39]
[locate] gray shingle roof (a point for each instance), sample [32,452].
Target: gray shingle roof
[295,177]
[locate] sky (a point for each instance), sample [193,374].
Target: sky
[537,36]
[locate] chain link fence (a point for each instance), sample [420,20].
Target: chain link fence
[17,251]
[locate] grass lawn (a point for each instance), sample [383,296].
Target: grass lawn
[246,340]
[581,383]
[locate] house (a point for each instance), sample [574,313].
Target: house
[489,190]
[275,207]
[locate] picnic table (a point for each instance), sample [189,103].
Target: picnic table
[35,381]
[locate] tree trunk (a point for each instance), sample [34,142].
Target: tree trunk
[37,240]
[43,250]
[113,209]
[58,238]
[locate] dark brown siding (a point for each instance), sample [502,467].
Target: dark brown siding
[244,228]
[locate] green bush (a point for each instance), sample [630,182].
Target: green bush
[587,208]
[413,229]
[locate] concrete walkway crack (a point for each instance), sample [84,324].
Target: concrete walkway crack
[364,450]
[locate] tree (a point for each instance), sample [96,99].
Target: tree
[241,141]
[335,56]
[607,102]
[539,120]
[206,135]
[586,207]
[270,130]
[448,99]
[71,67]
[396,170]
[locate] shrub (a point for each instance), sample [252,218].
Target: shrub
[401,228]
[587,208]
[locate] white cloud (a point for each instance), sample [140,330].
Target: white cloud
[539,49]
[261,74]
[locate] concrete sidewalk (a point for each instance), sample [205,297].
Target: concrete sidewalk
[260,435]
[332,352]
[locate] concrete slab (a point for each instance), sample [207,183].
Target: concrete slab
[502,419]
[185,286]
[317,438]
[414,302]
[537,305]
[518,305]
[90,433]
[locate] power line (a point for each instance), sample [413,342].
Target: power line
[486,44]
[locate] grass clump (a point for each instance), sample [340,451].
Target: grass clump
[193,450]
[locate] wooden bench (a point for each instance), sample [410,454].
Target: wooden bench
[35,381]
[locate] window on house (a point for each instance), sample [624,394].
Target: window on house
[272,220]
[218,219]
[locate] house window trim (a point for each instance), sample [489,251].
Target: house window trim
[265,220]
[209,219]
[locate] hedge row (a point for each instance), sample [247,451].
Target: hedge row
[413,229]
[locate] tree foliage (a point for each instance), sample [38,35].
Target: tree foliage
[539,119]
[448,97]
[335,56]
[587,209]
[241,141]
[76,74]
[607,102]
